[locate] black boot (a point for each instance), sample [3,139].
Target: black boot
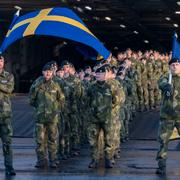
[161,170]
[10,171]
[108,163]
[93,164]
[40,164]
[53,165]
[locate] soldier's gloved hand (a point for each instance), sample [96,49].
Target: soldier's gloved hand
[167,90]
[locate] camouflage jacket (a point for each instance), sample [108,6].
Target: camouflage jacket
[170,107]
[6,88]
[48,99]
[74,91]
[104,100]
[118,96]
[150,69]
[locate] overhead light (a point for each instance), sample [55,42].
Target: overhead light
[135,32]
[78,0]
[175,25]
[178,3]
[79,9]
[122,26]
[108,18]
[146,41]
[168,18]
[177,12]
[116,48]
[88,8]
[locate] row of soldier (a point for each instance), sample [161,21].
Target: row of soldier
[72,106]
[77,112]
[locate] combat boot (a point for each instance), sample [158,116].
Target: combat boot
[10,171]
[40,164]
[108,163]
[146,108]
[93,164]
[161,170]
[53,165]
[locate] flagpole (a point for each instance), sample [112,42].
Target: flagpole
[16,15]
[172,56]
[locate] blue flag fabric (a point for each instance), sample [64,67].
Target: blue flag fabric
[176,47]
[58,22]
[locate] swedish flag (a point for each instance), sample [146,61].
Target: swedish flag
[58,22]
[176,47]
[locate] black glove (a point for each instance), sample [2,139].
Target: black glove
[167,90]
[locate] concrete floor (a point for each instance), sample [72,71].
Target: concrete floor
[137,162]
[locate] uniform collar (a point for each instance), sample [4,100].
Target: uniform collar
[3,73]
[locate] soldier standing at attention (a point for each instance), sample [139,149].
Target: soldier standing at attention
[103,102]
[6,88]
[169,113]
[47,98]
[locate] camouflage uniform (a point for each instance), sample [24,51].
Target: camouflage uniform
[169,116]
[157,75]
[75,91]
[126,110]
[104,106]
[151,82]
[47,98]
[120,98]
[144,81]
[6,88]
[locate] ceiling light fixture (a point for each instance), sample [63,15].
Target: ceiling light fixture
[88,8]
[175,25]
[135,32]
[168,18]
[178,3]
[122,26]
[146,41]
[108,18]
[177,12]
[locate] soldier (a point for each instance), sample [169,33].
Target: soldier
[103,103]
[60,73]
[169,113]
[144,82]
[6,88]
[151,81]
[120,97]
[47,98]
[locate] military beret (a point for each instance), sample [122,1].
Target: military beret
[65,62]
[47,67]
[87,75]
[121,68]
[102,69]
[60,69]
[174,60]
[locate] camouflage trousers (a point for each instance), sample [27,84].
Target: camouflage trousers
[153,93]
[75,131]
[145,94]
[93,137]
[46,136]
[117,129]
[165,131]
[64,138]
[6,137]
[139,94]
[122,118]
